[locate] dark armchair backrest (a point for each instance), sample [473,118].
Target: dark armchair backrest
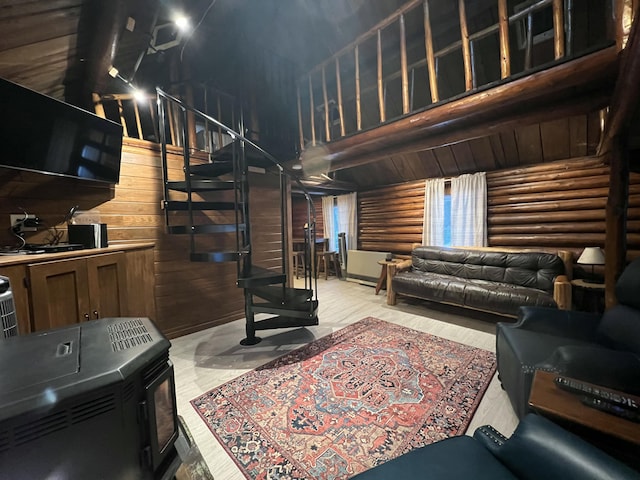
[526,269]
[620,325]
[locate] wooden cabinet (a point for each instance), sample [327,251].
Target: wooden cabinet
[53,290]
[76,290]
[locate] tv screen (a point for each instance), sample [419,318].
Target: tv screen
[41,134]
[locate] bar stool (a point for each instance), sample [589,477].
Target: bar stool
[326,261]
[298,263]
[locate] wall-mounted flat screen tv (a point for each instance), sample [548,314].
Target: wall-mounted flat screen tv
[41,134]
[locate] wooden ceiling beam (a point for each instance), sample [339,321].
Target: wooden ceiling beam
[484,112]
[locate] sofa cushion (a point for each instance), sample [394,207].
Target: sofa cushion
[456,458]
[526,269]
[498,297]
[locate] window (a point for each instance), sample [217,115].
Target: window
[447,217]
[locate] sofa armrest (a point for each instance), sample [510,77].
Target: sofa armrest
[552,321]
[541,449]
[392,270]
[594,364]
[562,292]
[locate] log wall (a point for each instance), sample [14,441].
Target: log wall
[189,296]
[299,215]
[558,205]
[390,218]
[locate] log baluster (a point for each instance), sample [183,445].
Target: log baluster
[505,60]
[466,49]
[327,129]
[380,81]
[300,131]
[312,113]
[357,73]
[339,89]
[431,63]
[558,29]
[403,66]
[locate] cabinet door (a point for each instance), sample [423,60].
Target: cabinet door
[59,293]
[107,285]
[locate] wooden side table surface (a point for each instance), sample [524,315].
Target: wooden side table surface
[548,399]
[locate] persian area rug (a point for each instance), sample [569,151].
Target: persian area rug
[347,402]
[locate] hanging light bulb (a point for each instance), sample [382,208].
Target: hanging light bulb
[182,22]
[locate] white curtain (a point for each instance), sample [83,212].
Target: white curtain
[327,219]
[469,210]
[348,219]
[433,221]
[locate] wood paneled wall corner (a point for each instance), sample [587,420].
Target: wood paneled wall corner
[189,296]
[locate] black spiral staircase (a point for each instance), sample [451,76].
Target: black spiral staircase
[266,291]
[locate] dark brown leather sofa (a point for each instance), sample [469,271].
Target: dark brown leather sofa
[488,280]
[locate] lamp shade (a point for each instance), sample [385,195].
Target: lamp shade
[591,256]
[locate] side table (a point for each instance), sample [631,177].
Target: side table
[617,436]
[382,280]
[588,296]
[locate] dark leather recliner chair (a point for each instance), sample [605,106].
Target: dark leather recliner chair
[538,449]
[601,349]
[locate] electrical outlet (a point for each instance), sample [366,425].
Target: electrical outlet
[17,220]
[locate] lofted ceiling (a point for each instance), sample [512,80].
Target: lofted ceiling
[64,48]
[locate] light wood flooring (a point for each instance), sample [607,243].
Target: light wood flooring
[206,359]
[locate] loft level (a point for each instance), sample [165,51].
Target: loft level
[429,53]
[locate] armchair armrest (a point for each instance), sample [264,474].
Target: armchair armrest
[564,323]
[541,449]
[392,270]
[562,292]
[599,365]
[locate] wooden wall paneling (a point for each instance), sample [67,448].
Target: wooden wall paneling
[189,296]
[410,167]
[483,154]
[446,160]
[464,157]
[498,150]
[299,215]
[529,144]
[578,135]
[594,132]
[555,141]
[510,147]
[430,164]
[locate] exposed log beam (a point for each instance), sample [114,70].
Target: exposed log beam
[624,103]
[484,112]
[582,105]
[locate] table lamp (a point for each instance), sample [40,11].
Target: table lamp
[591,256]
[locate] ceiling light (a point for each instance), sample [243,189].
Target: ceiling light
[138,95]
[182,23]
[113,71]
[297,166]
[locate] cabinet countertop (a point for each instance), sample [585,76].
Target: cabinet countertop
[18,259]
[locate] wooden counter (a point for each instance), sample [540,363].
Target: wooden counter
[55,289]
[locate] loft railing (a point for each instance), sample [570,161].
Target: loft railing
[326,120]
[138,116]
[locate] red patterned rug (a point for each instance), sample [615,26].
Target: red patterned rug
[347,402]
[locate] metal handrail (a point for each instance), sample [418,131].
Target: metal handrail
[238,136]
